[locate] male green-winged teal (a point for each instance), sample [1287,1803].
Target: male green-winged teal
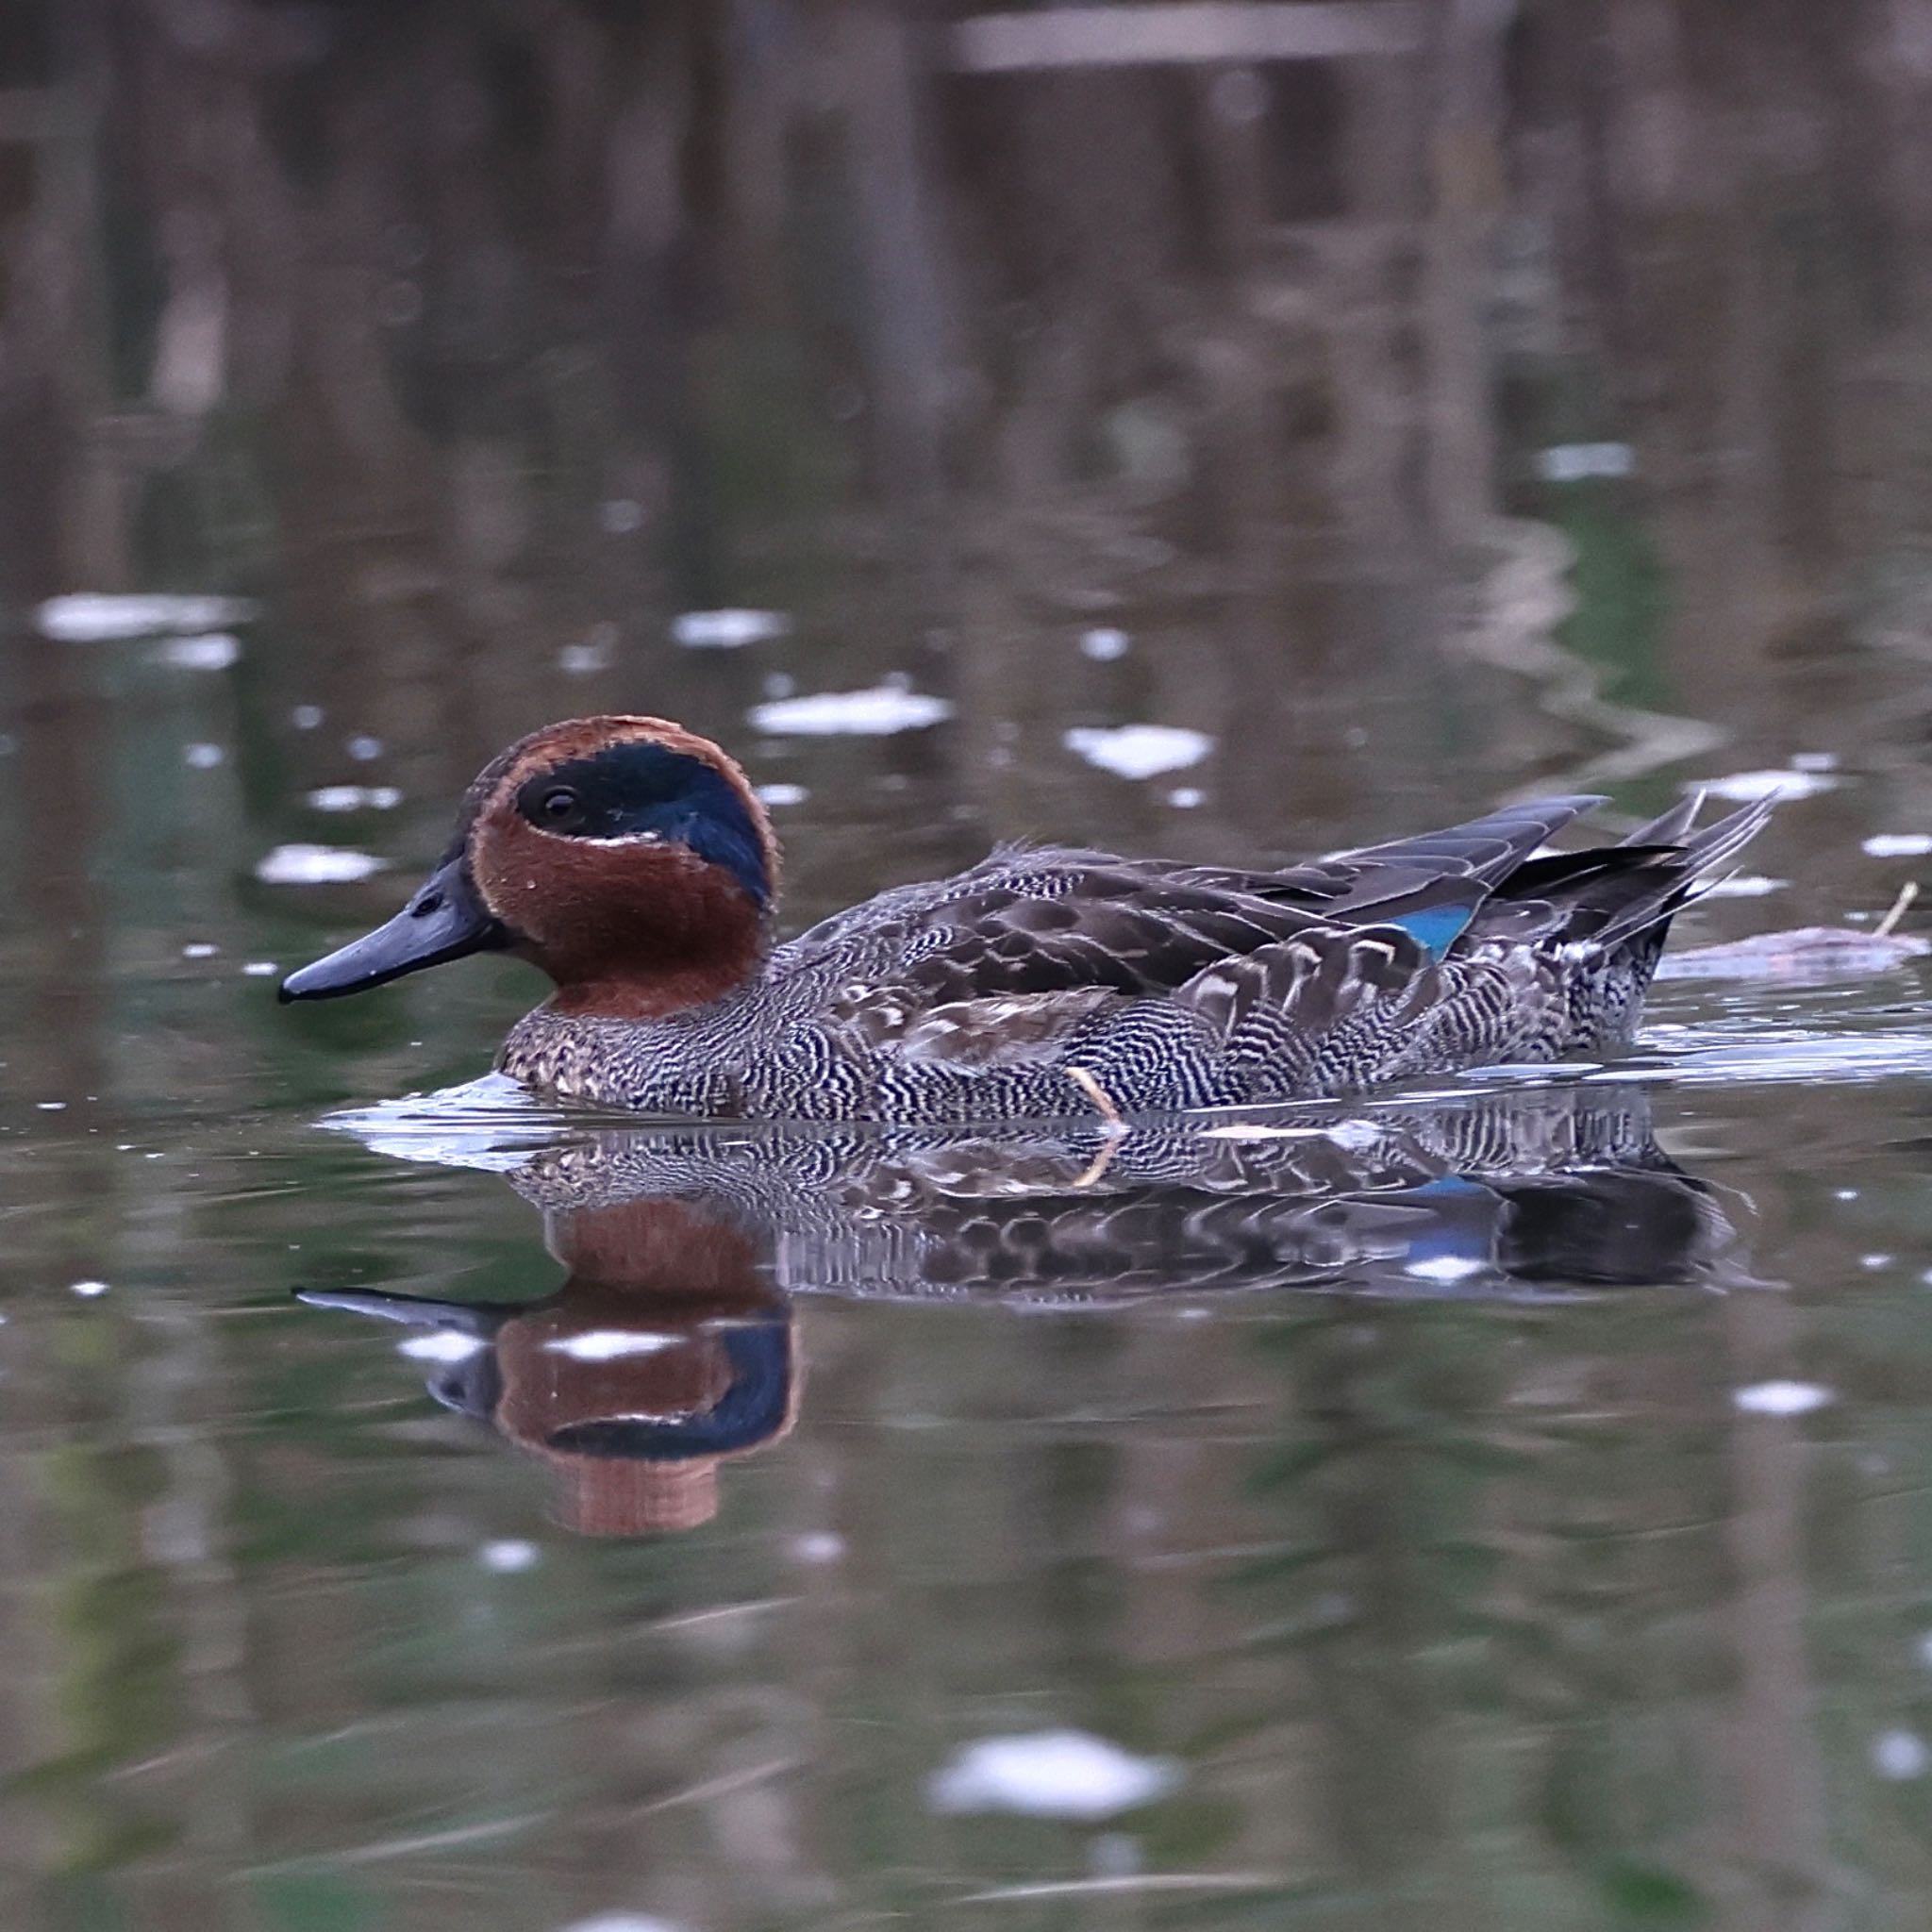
[632,861]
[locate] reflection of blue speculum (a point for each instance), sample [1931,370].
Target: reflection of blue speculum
[671,1346]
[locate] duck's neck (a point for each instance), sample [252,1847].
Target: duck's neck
[656,996]
[688,952]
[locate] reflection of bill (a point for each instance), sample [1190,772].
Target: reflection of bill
[666,1351]
[671,1346]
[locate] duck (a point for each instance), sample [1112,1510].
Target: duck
[631,860]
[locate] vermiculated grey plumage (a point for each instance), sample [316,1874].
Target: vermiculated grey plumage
[979,997]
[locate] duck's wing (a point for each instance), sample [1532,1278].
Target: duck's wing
[1050,921]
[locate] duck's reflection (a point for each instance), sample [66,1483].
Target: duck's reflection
[667,1349]
[671,1346]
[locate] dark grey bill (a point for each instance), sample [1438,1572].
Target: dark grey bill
[446,920]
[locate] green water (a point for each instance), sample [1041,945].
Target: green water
[1522,1531]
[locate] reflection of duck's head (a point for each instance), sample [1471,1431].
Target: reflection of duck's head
[665,1353]
[627,857]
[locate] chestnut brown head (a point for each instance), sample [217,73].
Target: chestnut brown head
[627,857]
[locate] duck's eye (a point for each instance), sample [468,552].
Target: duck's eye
[559,805]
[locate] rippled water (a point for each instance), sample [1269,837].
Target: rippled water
[1531,1516]
[1499,1506]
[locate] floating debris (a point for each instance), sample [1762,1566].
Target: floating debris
[1896,910]
[877,712]
[355,798]
[199,949]
[306,717]
[1783,1398]
[363,748]
[781,793]
[213,651]
[1898,844]
[1578,462]
[205,757]
[1138,751]
[622,1921]
[1808,952]
[1104,643]
[317,865]
[508,1555]
[727,630]
[90,617]
[88,1290]
[1186,797]
[580,660]
[1050,1774]
[1746,787]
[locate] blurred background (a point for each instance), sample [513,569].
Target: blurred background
[1220,429]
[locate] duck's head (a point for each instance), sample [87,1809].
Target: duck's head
[627,857]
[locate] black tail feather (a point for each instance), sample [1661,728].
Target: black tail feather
[1610,897]
[1692,869]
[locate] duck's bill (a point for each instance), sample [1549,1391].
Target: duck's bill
[446,920]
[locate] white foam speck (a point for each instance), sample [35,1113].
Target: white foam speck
[782,794]
[620,516]
[200,949]
[355,798]
[1899,1755]
[50,1107]
[608,1344]
[362,747]
[1743,884]
[873,713]
[205,757]
[817,1546]
[1104,644]
[1814,761]
[508,1555]
[1138,751]
[727,630]
[306,717]
[316,865]
[1782,1398]
[1186,797]
[214,650]
[442,1345]
[1872,1263]
[1444,1268]
[1578,463]
[621,1922]
[259,969]
[1746,786]
[1049,1775]
[582,659]
[1898,844]
[90,617]
[88,1290]
[1258,1130]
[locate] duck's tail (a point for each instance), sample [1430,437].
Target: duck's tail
[1618,900]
